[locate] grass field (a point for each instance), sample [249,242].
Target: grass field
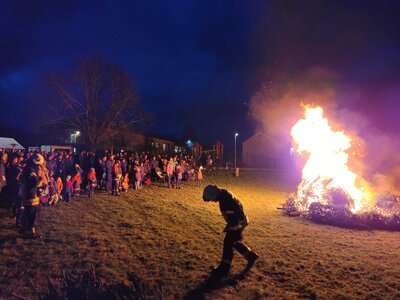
[171,238]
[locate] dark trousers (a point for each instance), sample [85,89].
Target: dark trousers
[178,183]
[67,197]
[90,190]
[233,240]
[115,186]
[153,175]
[29,218]
[18,212]
[171,179]
[109,182]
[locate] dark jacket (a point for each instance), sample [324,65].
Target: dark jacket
[109,167]
[60,169]
[13,177]
[232,211]
[51,166]
[31,186]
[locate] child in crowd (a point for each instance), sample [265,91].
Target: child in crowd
[170,173]
[142,174]
[59,187]
[69,189]
[199,176]
[138,177]
[76,184]
[53,196]
[125,182]
[191,175]
[178,176]
[91,182]
[116,176]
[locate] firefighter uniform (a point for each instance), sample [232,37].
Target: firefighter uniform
[236,219]
[31,188]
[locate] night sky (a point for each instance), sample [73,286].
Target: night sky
[199,63]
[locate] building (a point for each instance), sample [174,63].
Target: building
[53,148]
[160,145]
[266,152]
[115,141]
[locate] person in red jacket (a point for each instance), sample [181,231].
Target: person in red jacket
[92,182]
[76,181]
[236,219]
[69,189]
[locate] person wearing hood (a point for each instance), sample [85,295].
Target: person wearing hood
[233,213]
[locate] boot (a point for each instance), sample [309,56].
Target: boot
[251,258]
[221,270]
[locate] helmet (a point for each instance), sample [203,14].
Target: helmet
[38,159]
[210,193]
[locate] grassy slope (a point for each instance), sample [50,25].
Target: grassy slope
[172,237]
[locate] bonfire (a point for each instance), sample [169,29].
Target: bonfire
[329,191]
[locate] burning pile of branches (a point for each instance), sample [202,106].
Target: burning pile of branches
[329,191]
[385,215]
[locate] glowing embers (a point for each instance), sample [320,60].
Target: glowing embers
[326,178]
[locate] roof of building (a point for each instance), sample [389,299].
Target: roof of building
[10,143]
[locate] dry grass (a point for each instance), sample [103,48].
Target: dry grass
[171,238]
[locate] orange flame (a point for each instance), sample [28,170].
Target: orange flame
[326,167]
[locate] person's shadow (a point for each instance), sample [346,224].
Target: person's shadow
[212,283]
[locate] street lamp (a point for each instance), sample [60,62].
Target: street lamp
[236,134]
[74,135]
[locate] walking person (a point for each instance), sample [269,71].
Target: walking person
[236,219]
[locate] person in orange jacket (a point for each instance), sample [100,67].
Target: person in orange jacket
[125,182]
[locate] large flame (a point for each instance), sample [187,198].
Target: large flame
[326,168]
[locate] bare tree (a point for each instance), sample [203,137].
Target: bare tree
[98,99]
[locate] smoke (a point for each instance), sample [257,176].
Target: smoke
[278,105]
[375,155]
[382,161]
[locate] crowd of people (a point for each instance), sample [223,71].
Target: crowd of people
[32,179]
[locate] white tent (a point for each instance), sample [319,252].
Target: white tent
[10,143]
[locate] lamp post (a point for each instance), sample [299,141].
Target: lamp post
[74,135]
[236,134]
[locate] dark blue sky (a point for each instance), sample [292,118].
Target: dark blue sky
[198,63]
